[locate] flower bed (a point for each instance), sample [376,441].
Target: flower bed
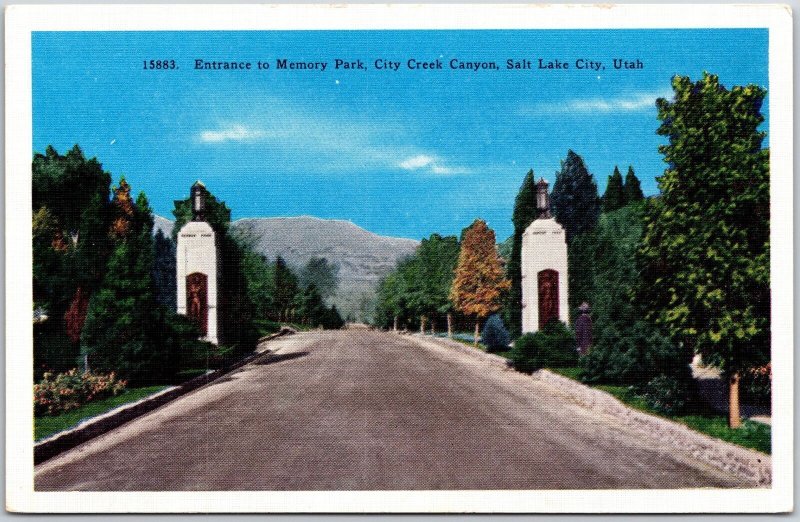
[70,390]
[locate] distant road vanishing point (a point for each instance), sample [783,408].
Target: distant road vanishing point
[367,410]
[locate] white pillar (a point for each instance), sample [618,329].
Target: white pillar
[544,247]
[197,254]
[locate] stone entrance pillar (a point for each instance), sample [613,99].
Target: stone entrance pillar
[198,269]
[544,268]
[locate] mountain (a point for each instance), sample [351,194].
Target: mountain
[363,257]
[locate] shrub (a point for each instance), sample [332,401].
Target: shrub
[551,347]
[495,336]
[634,356]
[70,390]
[666,394]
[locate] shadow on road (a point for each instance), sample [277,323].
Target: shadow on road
[276,358]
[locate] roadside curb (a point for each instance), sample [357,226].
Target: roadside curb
[742,462]
[96,426]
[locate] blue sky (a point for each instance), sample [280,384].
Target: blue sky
[404,153]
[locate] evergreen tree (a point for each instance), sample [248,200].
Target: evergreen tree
[164,271]
[524,214]
[119,334]
[576,205]
[479,282]
[704,257]
[614,196]
[633,189]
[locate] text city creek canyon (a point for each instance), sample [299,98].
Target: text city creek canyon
[414,64]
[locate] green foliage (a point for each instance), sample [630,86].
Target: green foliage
[633,189]
[320,273]
[286,288]
[495,336]
[420,284]
[582,259]
[217,214]
[614,196]
[164,271]
[260,276]
[627,349]
[551,347]
[66,185]
[666,394]
[524,214]
[704,257]
[576,205]
[119,333]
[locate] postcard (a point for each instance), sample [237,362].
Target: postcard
[399,258]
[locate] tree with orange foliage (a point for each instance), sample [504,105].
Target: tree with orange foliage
[479,283]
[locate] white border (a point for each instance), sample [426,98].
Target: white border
[21,20]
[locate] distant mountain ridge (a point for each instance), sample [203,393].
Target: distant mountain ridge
[363,257]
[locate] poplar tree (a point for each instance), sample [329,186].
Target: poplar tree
[576,205]
[524,214]
[633,188]
[479,282]
[614,196]
[704,257]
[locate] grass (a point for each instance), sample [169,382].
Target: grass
[754,435]
[46,425]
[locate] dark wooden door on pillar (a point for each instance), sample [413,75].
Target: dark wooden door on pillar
[197,300]
[548,296]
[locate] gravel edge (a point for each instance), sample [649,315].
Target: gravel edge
[744,463]
[96,426]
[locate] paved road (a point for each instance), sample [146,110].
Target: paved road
[363,410]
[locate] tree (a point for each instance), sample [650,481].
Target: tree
[164,271]
[479,281]
[614,196]
[393,297]
[431,273]
[66,185]
[576,205]
[285,289]
[704,257]
[119,333]
[524,214]
[70,200]
[320,273]
[633,189]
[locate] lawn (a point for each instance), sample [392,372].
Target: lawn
[751,435]
[46,425]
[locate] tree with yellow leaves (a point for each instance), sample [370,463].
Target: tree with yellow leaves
[479,282]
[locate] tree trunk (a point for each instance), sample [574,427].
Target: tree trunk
[734,416]
[477,331]
[422,319]
[396,320]
[433,327]
[450,325]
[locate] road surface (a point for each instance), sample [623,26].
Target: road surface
[363,410]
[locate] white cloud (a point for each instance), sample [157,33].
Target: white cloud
[430,164]
[628,103]
[237,133]
[417,162]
